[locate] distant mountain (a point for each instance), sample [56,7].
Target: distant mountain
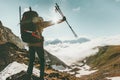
[79,40]
[57,41]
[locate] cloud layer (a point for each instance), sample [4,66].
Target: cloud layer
[70,53]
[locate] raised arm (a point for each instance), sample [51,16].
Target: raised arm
[50,23]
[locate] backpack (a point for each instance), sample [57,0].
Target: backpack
[28,28]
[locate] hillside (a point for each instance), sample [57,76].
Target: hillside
[6,35]
[106,61]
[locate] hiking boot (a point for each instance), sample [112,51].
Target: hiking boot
[43,78]
[28,77]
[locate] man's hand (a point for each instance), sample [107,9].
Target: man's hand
[61,20]
[64,18]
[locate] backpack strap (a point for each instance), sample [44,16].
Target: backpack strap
[33,34]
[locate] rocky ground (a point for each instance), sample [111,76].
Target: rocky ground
[50,75]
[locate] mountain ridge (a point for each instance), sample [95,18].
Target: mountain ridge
[6,35]
[106,61]
[58,41]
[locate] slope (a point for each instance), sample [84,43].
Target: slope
[106,61]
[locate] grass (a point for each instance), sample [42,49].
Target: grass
[107,62]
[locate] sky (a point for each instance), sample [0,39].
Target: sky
[90,18]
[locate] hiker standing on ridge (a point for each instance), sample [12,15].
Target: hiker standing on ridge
[31,32]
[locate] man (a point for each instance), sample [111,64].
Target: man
[36,45]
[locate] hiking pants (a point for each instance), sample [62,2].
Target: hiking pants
[40,53]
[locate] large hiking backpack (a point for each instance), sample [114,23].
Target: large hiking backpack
[28,28]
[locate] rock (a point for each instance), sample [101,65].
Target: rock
[4,57]
[22,76]
[0,23]
[55,75]
[18,76]
[7,54]
[6,35]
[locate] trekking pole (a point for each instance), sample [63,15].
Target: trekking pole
[20,16]
[20,13]
[60,12]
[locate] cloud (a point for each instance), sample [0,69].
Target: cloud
[117,0]
[71,53]
[76,9]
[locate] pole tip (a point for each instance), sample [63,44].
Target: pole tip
[30,8]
